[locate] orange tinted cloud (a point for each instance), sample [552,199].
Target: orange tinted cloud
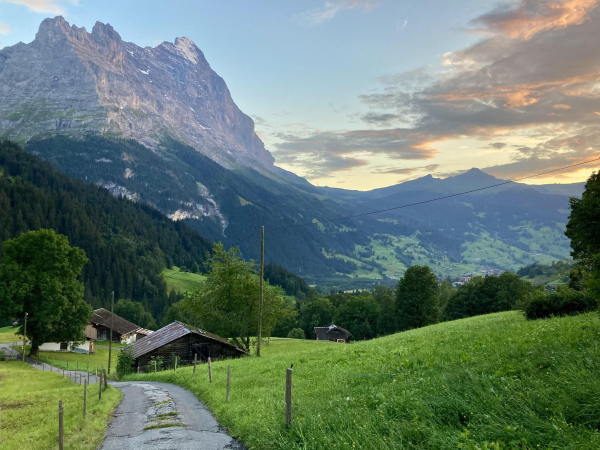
[534,16]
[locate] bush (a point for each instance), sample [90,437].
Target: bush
[125,362]
[296,333]
[563,302]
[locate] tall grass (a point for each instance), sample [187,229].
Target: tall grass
[29,401]
[495,378]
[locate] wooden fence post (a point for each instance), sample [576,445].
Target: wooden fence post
[105,379]
[288,397]
[154,366]
[209,370]
[60,425]
[175,367]
[228,382]
[88,378]
[100,388]
[84,397]
[195,362]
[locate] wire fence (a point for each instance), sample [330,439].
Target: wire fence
[81,378]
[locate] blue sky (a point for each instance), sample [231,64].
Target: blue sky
[317,73]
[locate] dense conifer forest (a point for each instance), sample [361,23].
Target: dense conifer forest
[128,244]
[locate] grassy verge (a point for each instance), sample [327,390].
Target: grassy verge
[494,378]
[69,361]
[29,401]
[7,335]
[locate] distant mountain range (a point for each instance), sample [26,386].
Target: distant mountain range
[157,125]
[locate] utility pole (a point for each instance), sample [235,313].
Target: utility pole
[112,319]
[260,296]
[24,336]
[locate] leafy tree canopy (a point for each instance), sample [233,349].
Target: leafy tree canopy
[38,276]
[359,314]
[227,303]
[135,313]
[583,229]
[417,298]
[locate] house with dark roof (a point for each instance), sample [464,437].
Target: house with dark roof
[332,333]
[184,341]
[123,330]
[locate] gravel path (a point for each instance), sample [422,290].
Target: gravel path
[163,416]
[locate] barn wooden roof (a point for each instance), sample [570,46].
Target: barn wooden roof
[170,333]
[103,317]
[321,332]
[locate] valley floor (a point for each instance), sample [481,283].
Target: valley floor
[495,378]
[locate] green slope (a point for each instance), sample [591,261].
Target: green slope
[499,377]
[181,281]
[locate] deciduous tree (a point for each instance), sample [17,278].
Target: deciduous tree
[38,275]
[583,229]
[227,302]
[416,298]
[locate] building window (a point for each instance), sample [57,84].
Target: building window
[102,335]
[64,346]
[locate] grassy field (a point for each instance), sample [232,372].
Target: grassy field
[29,401]
[181,281]
[7,335]
[494,378]
[60,359]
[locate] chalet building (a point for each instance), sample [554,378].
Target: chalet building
[78,347]
[332,333]
[185,342]
[123,330]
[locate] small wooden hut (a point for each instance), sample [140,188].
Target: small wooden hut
[184,341]
[332,333]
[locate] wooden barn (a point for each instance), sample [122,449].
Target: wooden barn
[184,341]
[123,330]
[332,333]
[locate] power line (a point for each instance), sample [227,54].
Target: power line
[419,203]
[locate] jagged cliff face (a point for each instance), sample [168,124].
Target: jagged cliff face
[74,82]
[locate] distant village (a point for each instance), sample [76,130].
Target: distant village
[486,271]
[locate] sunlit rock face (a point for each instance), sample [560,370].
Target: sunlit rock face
[74,82]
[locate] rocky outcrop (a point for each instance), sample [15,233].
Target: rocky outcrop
[74,82]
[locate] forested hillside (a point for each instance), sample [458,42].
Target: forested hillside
[128,244]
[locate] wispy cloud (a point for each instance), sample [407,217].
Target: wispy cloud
[529,17]
[42,6]
[535,78]
[4,29]
[332,8]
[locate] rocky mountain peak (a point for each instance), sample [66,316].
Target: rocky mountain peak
[69,81]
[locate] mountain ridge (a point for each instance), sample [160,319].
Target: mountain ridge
[74,82]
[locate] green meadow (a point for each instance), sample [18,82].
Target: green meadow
[464,384]
[29,401]
[7,335]
[80,361]
[181,281]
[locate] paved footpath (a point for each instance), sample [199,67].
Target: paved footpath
[156,416]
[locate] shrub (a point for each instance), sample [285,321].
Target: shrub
[563,302]
[296,333]
[125,362]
